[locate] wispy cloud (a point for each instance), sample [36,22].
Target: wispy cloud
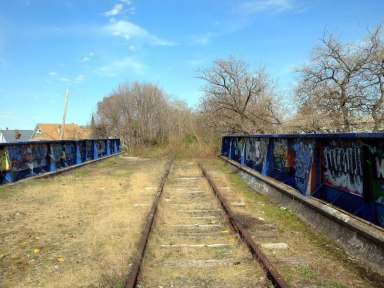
[121,65]
[88,57]
[131,31]
[202,39]
[250,7]
[123,6]
[114,11]
[56,77]
[79,78]
[194,63]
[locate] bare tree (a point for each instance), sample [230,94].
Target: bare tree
[331,81]
[237,100]
[373,77]
[135,113]
[141,115]
[343,83]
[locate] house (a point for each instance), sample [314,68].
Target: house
[52,132]
[13,136]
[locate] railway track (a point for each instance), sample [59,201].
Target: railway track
[193,239]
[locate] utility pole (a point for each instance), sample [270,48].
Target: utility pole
[65,114]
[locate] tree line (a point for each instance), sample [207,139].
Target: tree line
[339,89]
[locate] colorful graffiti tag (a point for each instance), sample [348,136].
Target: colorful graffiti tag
[303,154]
[20,157]
[280,154]
[376,167]
[3,160]
[237,146]
[89,148]
[256,150]
[100,146]
[342,166]
[70,153]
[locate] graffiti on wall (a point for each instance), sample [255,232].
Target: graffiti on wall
[376,165]
[237,146]
[342,166]
[280,154]
[3,160]
[82,150]
[70,153]
[39,155]
[100,146]
[89,149]
[23,157]
[256,150]
[303,155]
[55,152]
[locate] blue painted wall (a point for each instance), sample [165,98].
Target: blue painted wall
[25,159]
[346,170]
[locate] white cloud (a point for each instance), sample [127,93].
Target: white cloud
[250,7]
[121,65]
[202,39]
[88,57]
[80,78]
[114,11]
[194,63]
[63,79]
[57,77]
[129,31]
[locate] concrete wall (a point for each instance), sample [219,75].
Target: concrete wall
[345,170]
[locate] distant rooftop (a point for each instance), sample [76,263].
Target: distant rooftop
[12,136]
[49,131]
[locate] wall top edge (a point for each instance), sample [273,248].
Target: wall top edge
[360,135]
[56,141]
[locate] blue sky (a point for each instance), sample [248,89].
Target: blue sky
[92,46]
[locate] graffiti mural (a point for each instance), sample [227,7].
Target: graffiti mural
[303,155]
[39,155]
[3,160]
[342,166]
[376,167]
[89,149]
[20,157]
[22,160]
[100,146]
[82,151]
[256,150]
[237,148]
[378,179]
[55,152]
[280,155]
[70,153]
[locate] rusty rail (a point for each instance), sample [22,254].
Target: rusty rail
[271,271]
[135,268]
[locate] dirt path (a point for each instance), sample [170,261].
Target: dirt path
[76,230]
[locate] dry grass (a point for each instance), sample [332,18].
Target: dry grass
[78,229]
[325,264]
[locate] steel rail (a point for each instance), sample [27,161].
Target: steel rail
[135,268]
[255,249]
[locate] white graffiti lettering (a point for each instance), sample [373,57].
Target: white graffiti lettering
[379,167]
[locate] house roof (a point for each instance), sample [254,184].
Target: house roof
[46,131]
[10,136]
